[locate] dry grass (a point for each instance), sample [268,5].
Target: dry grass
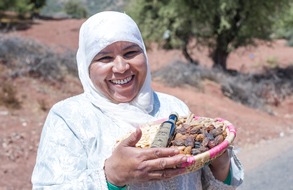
[8,96]
[26,57]
[20,57]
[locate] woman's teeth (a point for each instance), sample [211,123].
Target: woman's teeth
[123,81]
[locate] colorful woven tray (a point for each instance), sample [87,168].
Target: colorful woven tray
[194,162]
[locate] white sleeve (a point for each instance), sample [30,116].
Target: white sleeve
[62,160]
[236,169]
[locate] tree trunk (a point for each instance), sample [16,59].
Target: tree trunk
[219,57]
[188,57]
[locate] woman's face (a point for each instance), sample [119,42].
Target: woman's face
[119,71]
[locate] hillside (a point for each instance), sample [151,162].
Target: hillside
[20,128]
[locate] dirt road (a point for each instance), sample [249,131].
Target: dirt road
[268,165]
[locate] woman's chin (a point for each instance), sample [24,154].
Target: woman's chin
[123,99]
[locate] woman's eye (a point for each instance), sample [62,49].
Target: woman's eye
[131,54]
[105,59]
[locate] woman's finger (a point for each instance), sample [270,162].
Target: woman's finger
[154,153]
[132,139]
[166,162]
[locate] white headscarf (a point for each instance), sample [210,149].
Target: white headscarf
[97,32]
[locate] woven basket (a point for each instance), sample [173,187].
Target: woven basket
[197,161]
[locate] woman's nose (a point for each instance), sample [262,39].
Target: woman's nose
[120,65]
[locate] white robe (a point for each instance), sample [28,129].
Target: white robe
[77,138]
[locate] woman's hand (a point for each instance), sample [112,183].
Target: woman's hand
[220,166]
[128,164]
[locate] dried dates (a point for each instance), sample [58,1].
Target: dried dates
[196,135]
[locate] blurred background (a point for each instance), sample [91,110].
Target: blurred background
[224,58]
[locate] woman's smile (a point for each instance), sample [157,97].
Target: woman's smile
[122,81]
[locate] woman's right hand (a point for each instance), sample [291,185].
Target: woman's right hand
[129,164]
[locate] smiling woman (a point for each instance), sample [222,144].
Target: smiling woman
[119,71]
[78,147]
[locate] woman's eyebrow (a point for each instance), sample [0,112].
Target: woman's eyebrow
[131,46]
[103,53]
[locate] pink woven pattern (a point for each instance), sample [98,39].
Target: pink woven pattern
[232,129]
[218,149]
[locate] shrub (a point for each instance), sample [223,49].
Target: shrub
[43,105]
[28,57]
[75,9]
[254,90]
[8,96]
[179,73]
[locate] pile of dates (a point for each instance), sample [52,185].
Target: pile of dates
[197,135]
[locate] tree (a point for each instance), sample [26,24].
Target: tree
[22,7]
[284,28]
[75,9]
[6,4]
[37,6]
[221,25]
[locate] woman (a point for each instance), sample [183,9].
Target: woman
[78,143]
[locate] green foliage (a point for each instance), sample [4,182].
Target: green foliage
[284,25]
[95,6]
[56,8]
[19,6]
[75,9]
[23,8]
[221,25]
[37,6]
[6,4]
[52,8]
[38,3]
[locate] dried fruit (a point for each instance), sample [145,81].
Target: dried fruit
[193,135]
[195,151]
[212,144]
[197,135]
[205,142]
[189,141]
[187,150]
[217,131]
[219,139]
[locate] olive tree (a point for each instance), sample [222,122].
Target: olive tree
[220,25]
[22,7]
[284,28]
